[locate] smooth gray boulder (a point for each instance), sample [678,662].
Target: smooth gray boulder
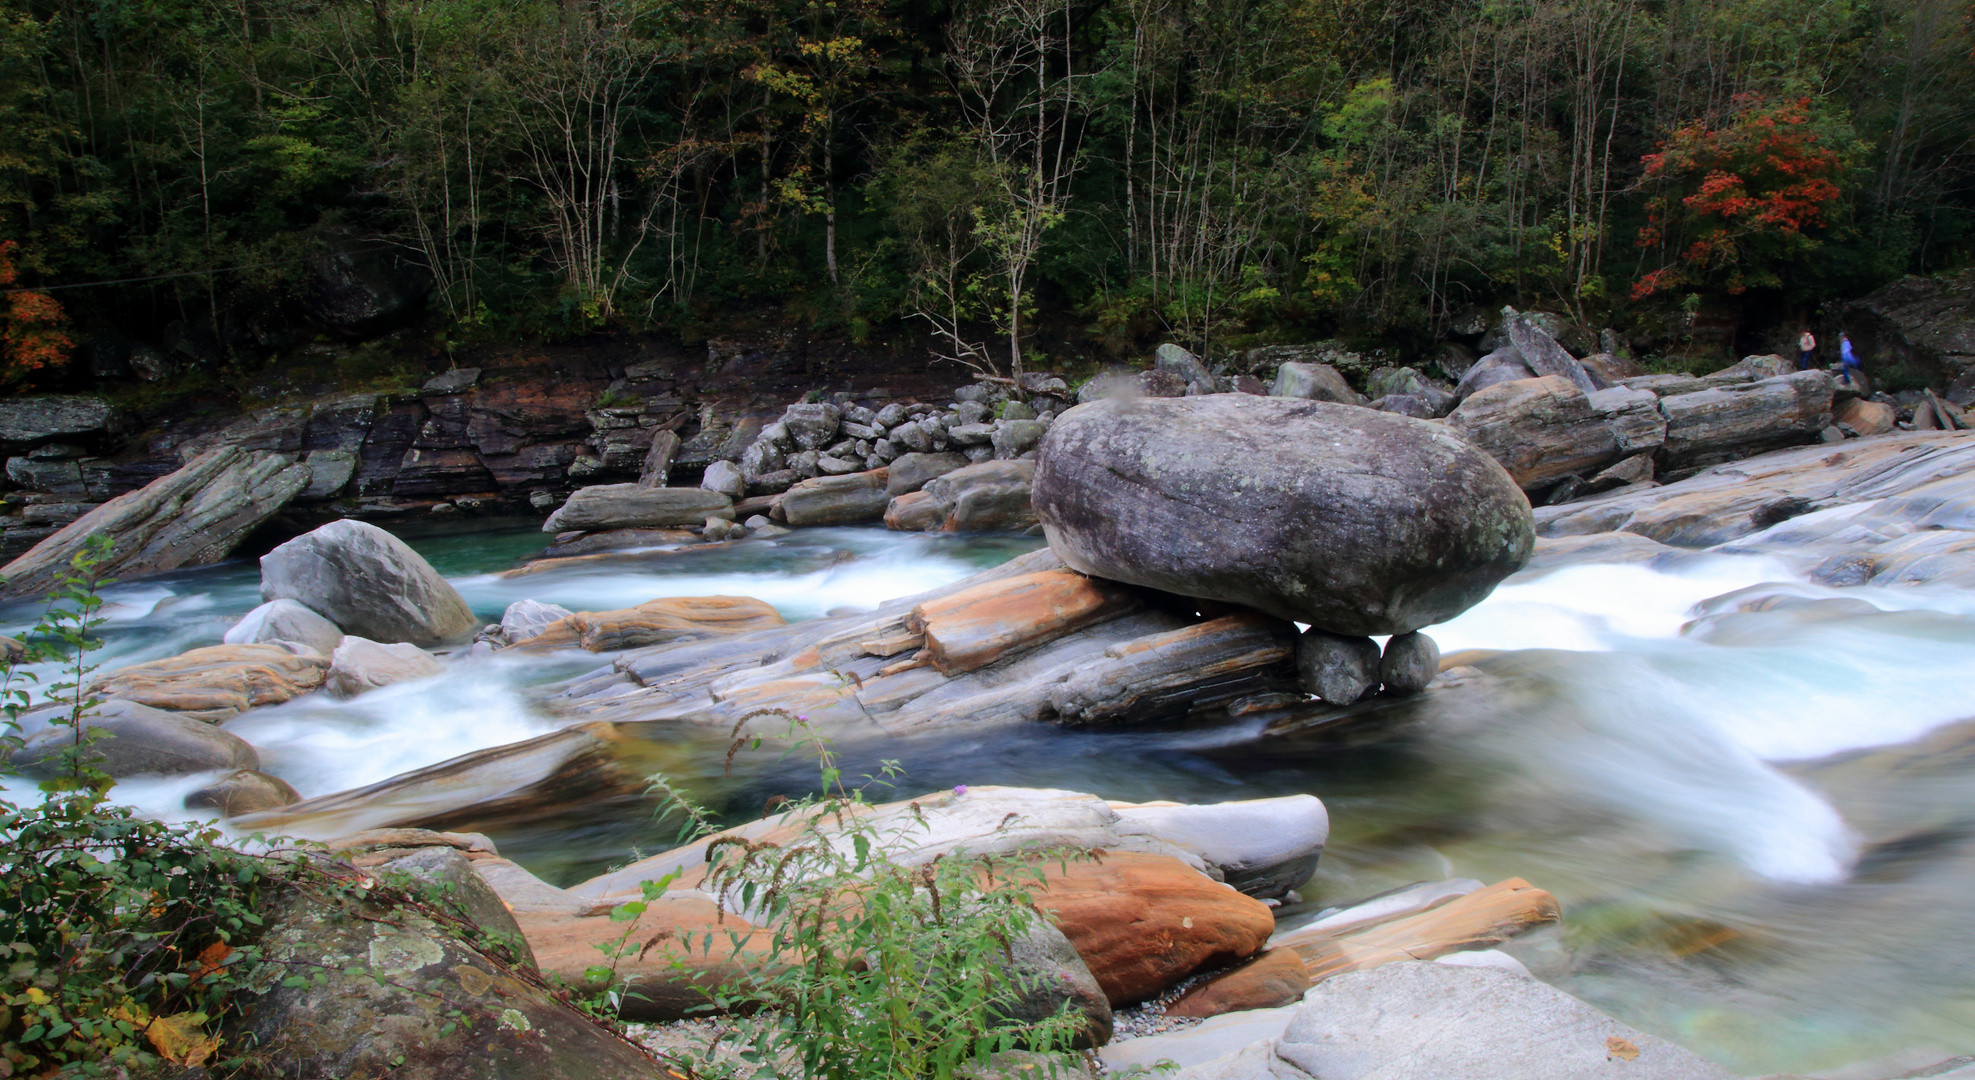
[910,472]
[1339,668]
[992,496]
[1354,521]
[368,582]
[1179,361]
[850,499]
[285,620]
[1544,356]
[1051,974]
[1409,664]
[360,665]
[633,506]
[1412,1020]
[726,478]
[139,739]
[244,791]
[1502,365]
[1315,382]
[192,517]
[525,619]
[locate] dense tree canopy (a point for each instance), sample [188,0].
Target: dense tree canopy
[1206,169]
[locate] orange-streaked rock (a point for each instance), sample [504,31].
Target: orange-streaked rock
[655,622]
[675,954]
[975,627]
[216,682]
[1143,923]
[1480,919]
[1277,977]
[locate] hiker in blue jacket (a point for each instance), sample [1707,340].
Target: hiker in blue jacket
[1851,360]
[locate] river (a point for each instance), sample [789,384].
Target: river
[1761,826]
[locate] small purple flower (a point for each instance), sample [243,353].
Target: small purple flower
[960,789]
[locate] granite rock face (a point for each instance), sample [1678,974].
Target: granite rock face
[367,582]
[1355,521]
[193,517]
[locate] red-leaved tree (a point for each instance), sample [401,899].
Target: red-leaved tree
[1745,199]
[35,334]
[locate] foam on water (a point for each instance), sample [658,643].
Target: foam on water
[322,745]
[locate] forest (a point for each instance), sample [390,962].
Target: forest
[1216,172]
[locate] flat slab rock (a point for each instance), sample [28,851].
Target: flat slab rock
[1411,1021]
[192,517]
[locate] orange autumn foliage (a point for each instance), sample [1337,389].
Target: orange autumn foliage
[1763,180]
[35,334]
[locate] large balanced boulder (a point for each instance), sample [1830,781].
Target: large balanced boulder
[367,582]
[193,517]
[1355,521]
[634,506]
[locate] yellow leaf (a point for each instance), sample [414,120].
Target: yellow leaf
[37,995]
[182,1039]
[1621,1049]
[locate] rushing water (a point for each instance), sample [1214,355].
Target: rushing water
[1761,824]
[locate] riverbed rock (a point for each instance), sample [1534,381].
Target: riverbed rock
[724,477]
[1179,361]
[1262,847]
[1165,676]
[667,619]
[1144,923]
[285,620]
[388,991]
[525,619]
[245,791]
[993,496]
[32,420]
[697,948]
[137,739]
[1339,668]
[852,499]
[1498,367]
[367,582]
[447,878]
[1467,1023]
[1718,424]
[1052,974]
[1864,417]
[657,469]
[1409,664]
[1240,499]
[1276,978]
[1315,382]
[1544,356]
[361,665]
[192,517]
[910,472]
[1540,430]
[521,781]
[217,682]
[633,506]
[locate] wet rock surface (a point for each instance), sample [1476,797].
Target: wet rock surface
[192,517]
[1353,520]
[367,582]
